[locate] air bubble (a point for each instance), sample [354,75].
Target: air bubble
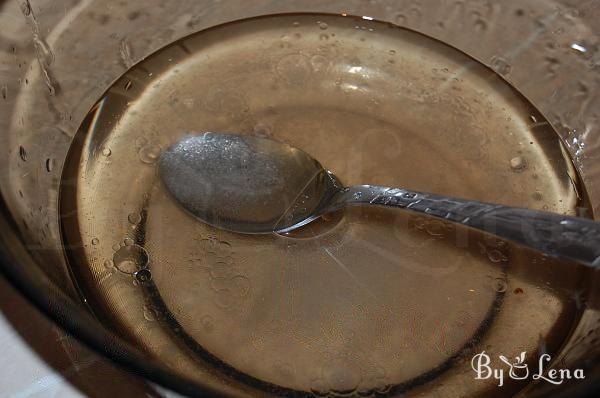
[149,153]
[22,154]
[500,285]
[106,151]
[129,259]
[128,241]
[480,25]
[225,248]
[495,255]
[208,245]
[262,130]
[500,65]
[552,66]
[26,8]
[134,218]
[207,323]
[573,13]
[343,378]
[224,299]
[517,163]
[323,26]
[400,19]
[140,142]
[49,165]
[143,276]
[149,313]
[434,228]
[95,241]
[125,53]
[319,63]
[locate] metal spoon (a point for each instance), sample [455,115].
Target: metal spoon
[257,185]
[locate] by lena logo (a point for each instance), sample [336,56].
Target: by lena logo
[519,370]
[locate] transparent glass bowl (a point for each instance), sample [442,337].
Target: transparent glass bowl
[60,57]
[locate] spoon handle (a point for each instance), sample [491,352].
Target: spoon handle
[557,235]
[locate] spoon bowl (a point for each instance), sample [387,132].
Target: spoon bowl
[246,184]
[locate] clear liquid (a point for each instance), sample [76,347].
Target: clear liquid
[366,301]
